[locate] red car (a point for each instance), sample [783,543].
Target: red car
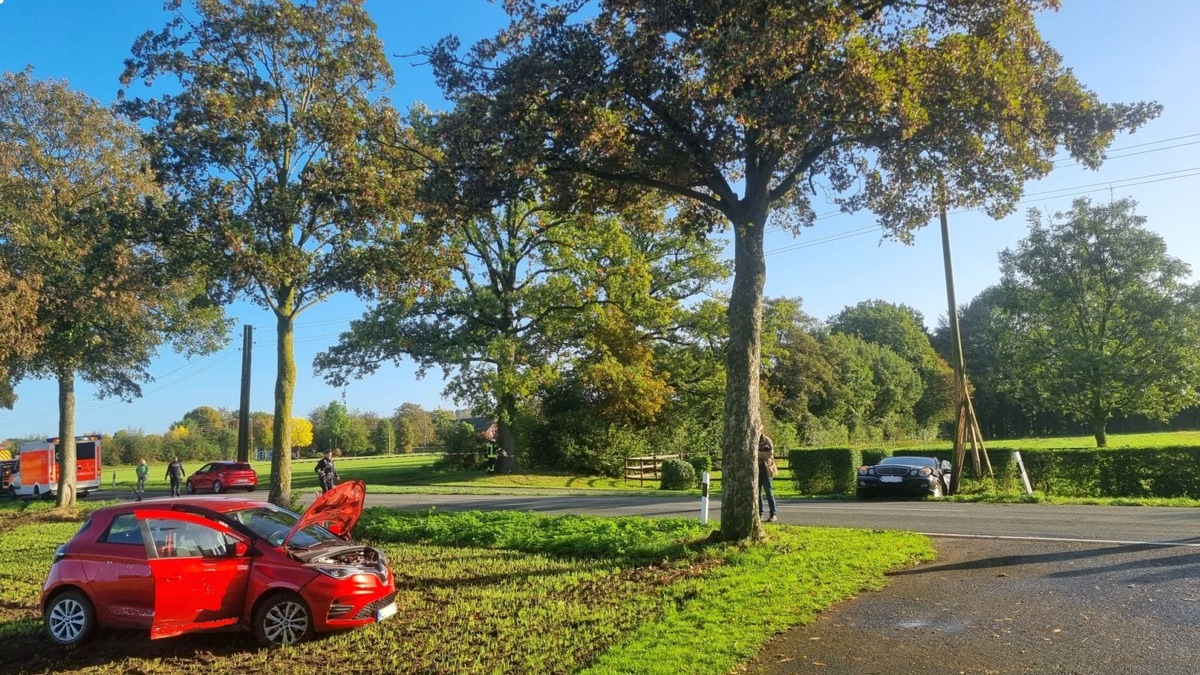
[183,565]
[222,476]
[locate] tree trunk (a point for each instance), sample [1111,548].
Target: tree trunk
[739,444]
[1099,430]
[507,462]
[285,387]
[66,440]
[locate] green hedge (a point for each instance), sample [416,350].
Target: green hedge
[1072,472]
[825,471]
[1119,472]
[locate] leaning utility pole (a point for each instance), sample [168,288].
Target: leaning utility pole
[966,426]
[243,448]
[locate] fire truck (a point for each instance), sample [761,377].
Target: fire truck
[37,474]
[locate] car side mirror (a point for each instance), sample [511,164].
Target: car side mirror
[240,548]
[945,465]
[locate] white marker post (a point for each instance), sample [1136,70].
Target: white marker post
[704,498]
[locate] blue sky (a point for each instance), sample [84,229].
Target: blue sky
[1123,50]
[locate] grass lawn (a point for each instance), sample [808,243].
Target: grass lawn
[409,473]
[505,592]
[416,473]
[1164,439]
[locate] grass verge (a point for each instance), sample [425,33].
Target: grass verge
[509,593]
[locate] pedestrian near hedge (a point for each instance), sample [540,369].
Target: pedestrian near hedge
[766,471]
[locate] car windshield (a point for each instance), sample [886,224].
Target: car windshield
[273,523]
[910,461]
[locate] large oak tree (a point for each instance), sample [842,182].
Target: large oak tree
[746,109]
[93,296]
[275,138]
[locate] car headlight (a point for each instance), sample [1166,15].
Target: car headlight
[925,471]
[335,572]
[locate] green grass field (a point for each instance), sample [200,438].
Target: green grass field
[416,473]
[504,592]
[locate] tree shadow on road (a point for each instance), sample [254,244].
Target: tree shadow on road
[1181,565]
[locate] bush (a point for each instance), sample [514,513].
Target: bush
[825,471]
[677,475]
[700,464]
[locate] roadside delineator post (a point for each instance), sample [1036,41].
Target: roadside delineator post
[704,498]
[1024,476]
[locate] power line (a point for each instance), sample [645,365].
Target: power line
[1139,145]
[1079,190]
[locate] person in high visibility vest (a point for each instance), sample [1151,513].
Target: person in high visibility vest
[491,458]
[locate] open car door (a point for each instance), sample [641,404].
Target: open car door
[201,568]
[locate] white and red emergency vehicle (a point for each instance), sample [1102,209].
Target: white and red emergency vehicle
[37,474]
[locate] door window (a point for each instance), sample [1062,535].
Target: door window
[184,539]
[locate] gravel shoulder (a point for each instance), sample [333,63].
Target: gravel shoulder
[988,606]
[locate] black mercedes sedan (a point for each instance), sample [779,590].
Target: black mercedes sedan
[904,475]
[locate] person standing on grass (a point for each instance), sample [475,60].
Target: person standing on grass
[175,475]
[143,471]
[327,472]
[766,471]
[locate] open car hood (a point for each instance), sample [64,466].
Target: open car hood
[337,510]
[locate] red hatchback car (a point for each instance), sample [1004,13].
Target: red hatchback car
[183,565]
[222,476]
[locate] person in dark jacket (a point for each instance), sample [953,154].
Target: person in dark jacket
[327,472]
[766,466]
[175,475]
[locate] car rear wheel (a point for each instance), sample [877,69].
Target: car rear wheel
[250,489]
[217,487]
[70,619]
[283,619]
[190,487]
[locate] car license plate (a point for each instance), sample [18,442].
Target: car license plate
[891,479]
[385,612]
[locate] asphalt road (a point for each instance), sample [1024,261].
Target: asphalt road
[1174,526]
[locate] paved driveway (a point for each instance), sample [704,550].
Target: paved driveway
[1005,606]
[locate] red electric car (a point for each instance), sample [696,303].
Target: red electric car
[183,565]
[223,476]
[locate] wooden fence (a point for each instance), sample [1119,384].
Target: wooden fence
[642,468]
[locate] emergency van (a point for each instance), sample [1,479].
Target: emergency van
[37,473]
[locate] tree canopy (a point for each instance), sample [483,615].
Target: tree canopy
[278,143]
[98,292]
[1098,318]
[744,111]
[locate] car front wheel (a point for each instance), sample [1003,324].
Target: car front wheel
[217,487]
[937,488]
[70,619]
[283,619]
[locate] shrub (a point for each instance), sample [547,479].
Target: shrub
[825,471]
[700,464]
[677,475]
